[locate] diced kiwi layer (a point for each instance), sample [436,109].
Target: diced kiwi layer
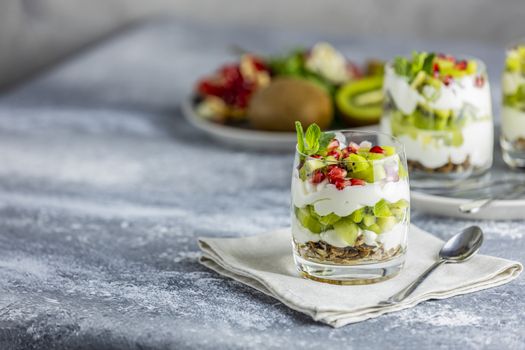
[422,119]
[378,218]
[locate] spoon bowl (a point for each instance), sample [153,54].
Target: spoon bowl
[463,245]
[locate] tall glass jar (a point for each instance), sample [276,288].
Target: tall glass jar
[350,209]
[439,107]
[512,138]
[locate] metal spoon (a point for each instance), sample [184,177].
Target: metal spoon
[459,248]
[476,205]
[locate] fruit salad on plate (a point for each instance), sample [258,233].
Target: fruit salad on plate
[317,85]
[439,107]
[513,109]
[350,198]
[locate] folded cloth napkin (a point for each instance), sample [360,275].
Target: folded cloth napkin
[265,263]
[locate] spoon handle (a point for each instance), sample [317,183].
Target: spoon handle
[405,292]
[477,204]
[474,206]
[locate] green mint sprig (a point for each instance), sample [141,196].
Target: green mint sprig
[421,61]
[314,141]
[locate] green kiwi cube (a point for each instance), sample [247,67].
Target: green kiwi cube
[347,231]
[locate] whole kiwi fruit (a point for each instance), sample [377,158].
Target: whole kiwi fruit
[285,100]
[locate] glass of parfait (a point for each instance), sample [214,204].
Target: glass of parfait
[439,107]
[512,138]
[350,206]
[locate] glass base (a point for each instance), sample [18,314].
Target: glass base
[513,157]
[350,274]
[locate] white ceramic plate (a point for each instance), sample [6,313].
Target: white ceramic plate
[446,206]
[246,138]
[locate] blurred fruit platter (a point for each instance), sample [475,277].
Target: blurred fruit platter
[255,101]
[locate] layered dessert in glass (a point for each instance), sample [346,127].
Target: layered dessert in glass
[439,107]
[512,138]
[350,206]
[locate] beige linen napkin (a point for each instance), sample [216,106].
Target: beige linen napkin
[265,263]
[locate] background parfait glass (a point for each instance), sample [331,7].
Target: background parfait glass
[445,122]
[512,137]
[354,233]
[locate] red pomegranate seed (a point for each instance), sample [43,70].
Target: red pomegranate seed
[333,145]
[341,184]
[435,67]
[334,153]
[479,81]
[447,80]
[318,177]
[357,182]
[377,149]
[461,65]
[335,174]
[316,156]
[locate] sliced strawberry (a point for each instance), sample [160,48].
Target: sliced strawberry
[357,182]
[318,177]
[377,149]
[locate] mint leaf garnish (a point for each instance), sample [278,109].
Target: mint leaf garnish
[313,133]
[300,136]
[325,139]
[401,66]
[428,63]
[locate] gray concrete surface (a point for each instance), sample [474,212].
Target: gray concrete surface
[104,189]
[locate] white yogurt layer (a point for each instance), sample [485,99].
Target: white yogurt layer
[433,152]
[326,198]
[395,237]
[454,96]
[512,123]
[389,239]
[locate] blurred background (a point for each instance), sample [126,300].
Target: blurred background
[35,34]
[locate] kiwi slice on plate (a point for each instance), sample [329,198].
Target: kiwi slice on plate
[360,102]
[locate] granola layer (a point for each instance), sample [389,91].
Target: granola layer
[323,252]
[447,168]
[519,144]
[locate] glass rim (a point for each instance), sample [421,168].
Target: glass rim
[480,65]
[399,146]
